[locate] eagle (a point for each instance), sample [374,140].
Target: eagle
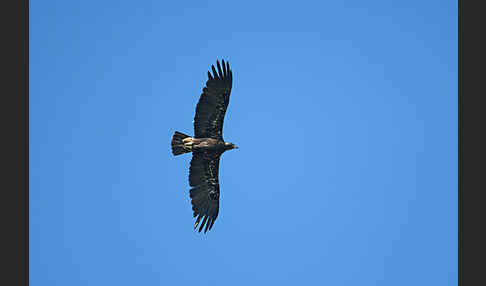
[207,145]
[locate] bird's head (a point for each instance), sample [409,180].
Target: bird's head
[229,146]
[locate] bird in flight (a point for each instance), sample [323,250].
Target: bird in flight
[207,145]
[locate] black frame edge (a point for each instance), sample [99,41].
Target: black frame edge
[472,142]
[15,142]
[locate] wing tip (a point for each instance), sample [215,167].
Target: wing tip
[223,70]
[205,222]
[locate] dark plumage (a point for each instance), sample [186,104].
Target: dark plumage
[207,145]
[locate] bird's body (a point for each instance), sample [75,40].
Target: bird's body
[207,145]
[190,144]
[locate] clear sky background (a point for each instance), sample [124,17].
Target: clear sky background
[345,113]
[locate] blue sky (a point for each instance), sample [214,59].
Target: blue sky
[345,113]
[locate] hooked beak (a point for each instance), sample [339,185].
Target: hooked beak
[235,147]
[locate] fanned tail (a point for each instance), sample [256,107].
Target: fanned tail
[177,144]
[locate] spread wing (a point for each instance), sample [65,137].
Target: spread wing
[203,178]
[211,108]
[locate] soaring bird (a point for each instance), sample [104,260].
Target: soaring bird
[207,145]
